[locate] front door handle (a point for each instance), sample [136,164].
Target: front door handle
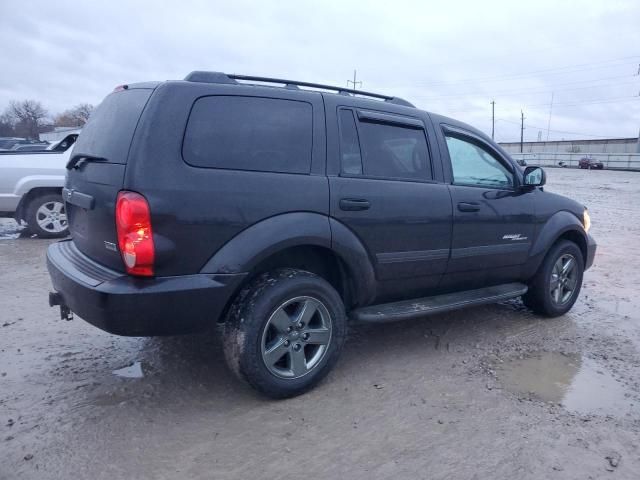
[354,204]
[468,206]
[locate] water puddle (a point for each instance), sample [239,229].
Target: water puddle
[9,229]
[132,371]
[578,384]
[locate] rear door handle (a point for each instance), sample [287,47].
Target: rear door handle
[468,206]
[354,204]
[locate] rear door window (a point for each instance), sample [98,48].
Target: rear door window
[376,149]
[249,133]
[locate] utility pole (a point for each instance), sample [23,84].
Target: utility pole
[354,82]
[521,129]
[549,123]
[638,145]
[493,118]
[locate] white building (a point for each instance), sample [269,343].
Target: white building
[611,145]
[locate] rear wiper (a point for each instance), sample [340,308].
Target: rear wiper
[77,161]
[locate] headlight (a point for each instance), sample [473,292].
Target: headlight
[586,220]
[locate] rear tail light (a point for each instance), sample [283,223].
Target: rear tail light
[135,237]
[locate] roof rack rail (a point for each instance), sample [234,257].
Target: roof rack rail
[219,77]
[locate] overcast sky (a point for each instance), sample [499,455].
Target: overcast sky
[447,57]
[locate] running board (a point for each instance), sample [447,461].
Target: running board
[420,307]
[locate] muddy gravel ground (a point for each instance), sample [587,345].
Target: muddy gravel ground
[486,393]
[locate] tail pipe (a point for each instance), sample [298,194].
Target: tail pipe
[56,299]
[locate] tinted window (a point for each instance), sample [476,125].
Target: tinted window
[351,159]
[392,151]
[249,133]
[473,165]
[110,129]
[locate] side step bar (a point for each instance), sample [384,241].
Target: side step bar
[420,307]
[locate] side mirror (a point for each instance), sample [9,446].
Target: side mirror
[534,177]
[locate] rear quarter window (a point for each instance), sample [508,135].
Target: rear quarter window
[249,133]
[110,129]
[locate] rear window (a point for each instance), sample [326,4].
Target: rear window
[110,129]
[249,133]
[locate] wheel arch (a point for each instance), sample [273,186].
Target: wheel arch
[302,240]
[575,237]
[563,225]
[32,194]
[315,259]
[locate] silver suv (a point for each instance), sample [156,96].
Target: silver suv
[31,189]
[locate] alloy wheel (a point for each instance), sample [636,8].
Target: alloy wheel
[296,337]
[564,279]
[51,217]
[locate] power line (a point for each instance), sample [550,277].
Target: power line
[589,102]
[571,68]
[633,98]
[554,131]
[526,91]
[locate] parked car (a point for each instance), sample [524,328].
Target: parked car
[31,147]
[282,211]
[7,143]
[31,190]
[590,162]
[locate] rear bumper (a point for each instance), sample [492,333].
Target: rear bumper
[591,252]
[125,305]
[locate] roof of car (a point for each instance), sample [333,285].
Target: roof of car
[213,77]
[235,79]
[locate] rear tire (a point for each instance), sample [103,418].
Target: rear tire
[556,285]
[46,216]
[266,346]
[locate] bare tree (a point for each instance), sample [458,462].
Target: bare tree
[28,116]
[74,117]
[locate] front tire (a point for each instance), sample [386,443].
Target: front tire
[556,286]
[46,216]
[284,332]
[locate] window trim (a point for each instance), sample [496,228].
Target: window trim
[470,137]
[186,127]
[383,118]
[390,119]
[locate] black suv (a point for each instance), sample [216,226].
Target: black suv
[282,208]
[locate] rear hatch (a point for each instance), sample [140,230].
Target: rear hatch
[95,173]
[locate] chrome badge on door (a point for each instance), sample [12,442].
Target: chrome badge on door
[514,237]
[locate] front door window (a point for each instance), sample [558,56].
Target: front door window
[475,166]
